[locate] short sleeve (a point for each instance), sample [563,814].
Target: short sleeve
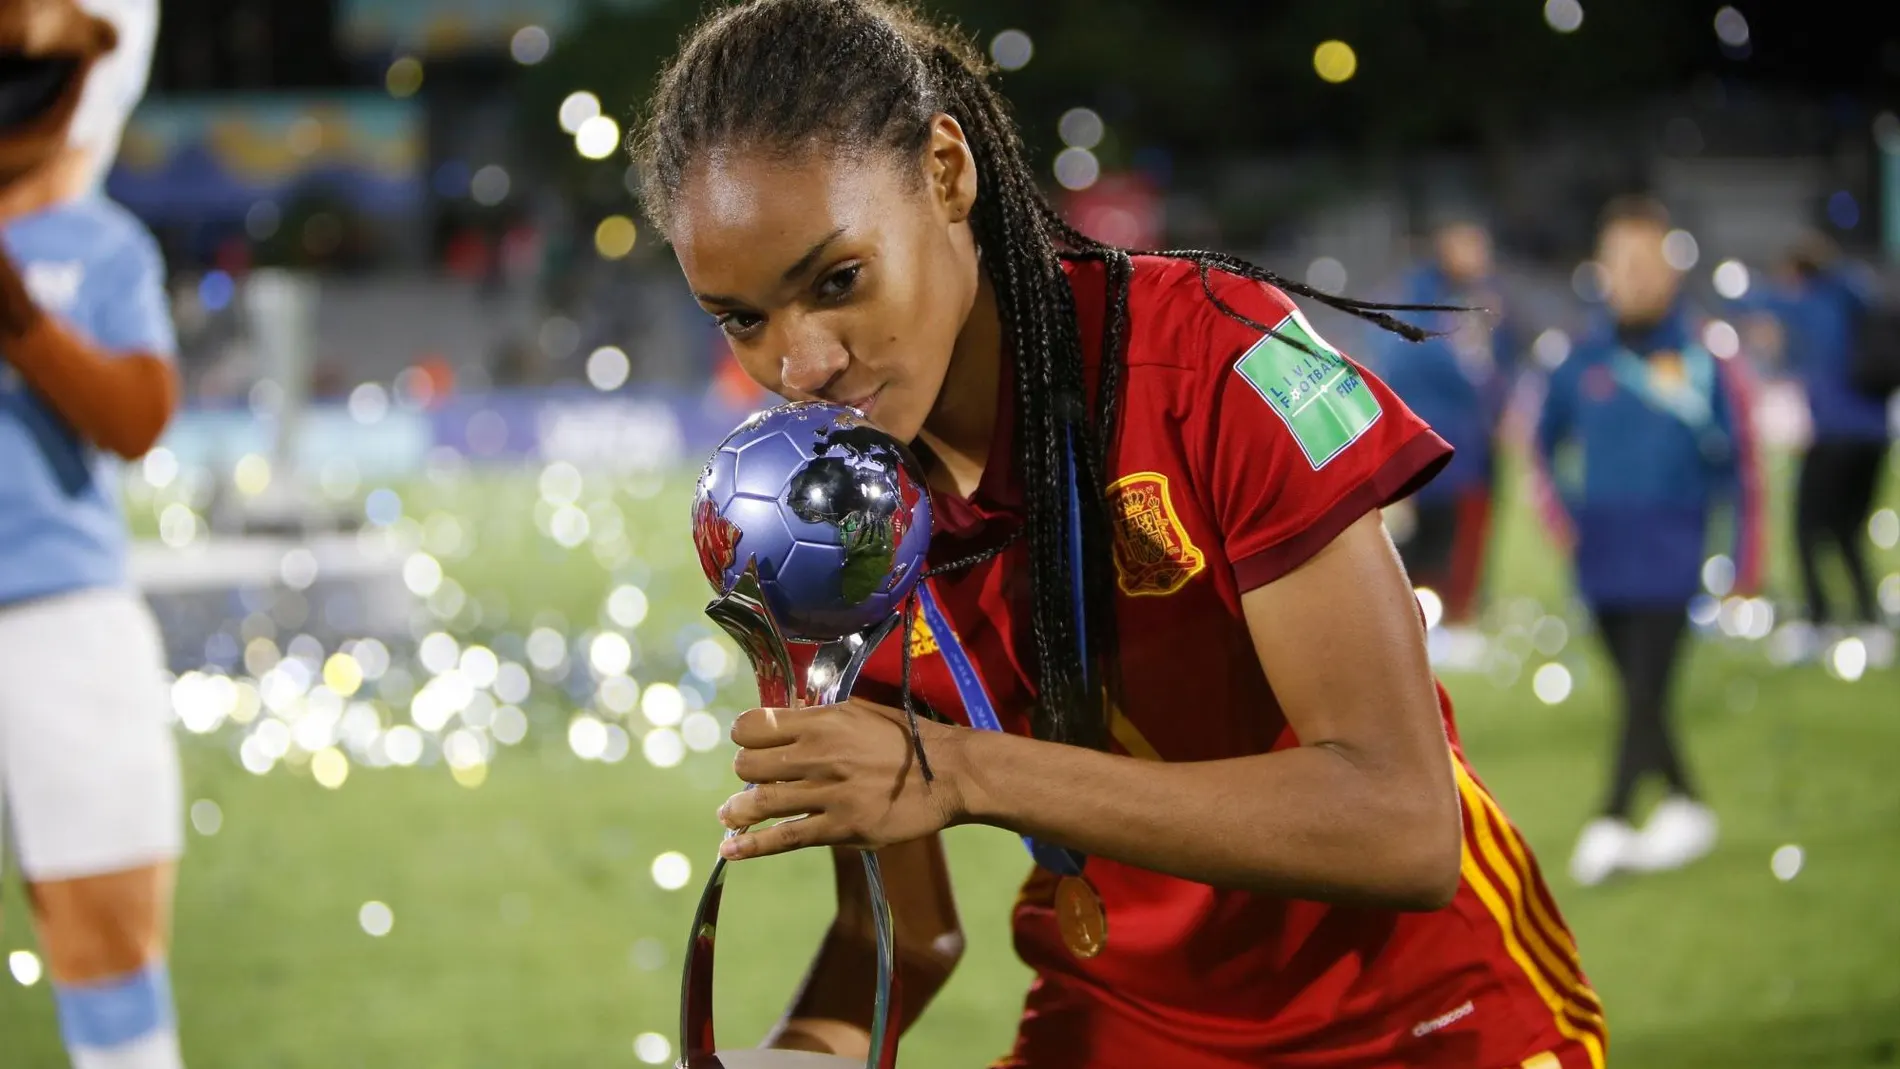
[1298,441]
[128,307]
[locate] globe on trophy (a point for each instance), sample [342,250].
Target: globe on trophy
[812,526]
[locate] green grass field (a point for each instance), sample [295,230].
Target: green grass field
[528,930]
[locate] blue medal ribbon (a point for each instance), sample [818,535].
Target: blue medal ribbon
[982,714]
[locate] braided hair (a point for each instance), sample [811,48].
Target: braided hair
[870,76]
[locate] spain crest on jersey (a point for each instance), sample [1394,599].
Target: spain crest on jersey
[1153,554]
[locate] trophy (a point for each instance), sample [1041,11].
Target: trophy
[812,526]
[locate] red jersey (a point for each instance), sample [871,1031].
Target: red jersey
[1238,458]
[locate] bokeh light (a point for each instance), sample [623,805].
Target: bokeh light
[652,1048]
[578,107]
[701,731]
[1883,528]
[1731,279]
[403,745]
[1326,275]
[1718,575]
[1431,606]
[251,476]
[672,870]
[1720,337]
[490,185]
[1786,862]
[1012,50]
[1551,683]
[25,967]
[1680,249]
[376,918]
[329,767]
[1080,128]
[1731,27]
[587,737]
[627,606]
[1335,61]
[649,954]
[1564,16]
[614,239]
[368,403]
[1551,348]
[206,818]
[404,77]
[663,748]
[1847,659]
[608,367]
[663,705]
[159,467]
[510,725]
[597,137]
[1077,168]
[529,45]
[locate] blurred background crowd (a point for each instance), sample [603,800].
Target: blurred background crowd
[454,721]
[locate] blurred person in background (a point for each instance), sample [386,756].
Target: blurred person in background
[1457,383]
[89,773]
[1823,305]
[1647,434]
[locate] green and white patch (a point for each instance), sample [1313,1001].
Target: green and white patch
[1321,398]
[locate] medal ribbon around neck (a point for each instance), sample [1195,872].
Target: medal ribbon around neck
[977,705]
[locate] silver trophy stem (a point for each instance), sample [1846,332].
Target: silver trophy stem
[833,672]
[834,669]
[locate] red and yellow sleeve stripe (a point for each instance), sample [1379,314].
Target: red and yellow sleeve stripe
[1499,869]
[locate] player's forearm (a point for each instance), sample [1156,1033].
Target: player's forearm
[1316,822]
[118,402]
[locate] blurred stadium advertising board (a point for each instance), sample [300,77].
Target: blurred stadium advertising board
[441,27]
[620,432]
[1890,195]
[199,159]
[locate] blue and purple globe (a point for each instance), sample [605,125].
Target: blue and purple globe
[832,510]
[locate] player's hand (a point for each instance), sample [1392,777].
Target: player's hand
[849,770]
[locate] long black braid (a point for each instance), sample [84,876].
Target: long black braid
[871,76]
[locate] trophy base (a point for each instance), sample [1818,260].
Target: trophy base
[773,1059]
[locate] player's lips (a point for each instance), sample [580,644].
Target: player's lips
[865,403]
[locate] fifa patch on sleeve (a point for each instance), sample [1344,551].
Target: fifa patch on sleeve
[1321,398]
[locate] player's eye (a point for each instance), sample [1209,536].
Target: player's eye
[739,325]
[838,285]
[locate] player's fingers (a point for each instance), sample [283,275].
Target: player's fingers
[785,836]
[774,764]
[768,801]
[758,728]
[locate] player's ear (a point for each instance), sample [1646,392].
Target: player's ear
[950,169]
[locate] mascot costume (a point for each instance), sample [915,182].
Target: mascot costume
[88,768]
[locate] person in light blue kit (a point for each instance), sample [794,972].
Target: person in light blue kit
[89,775]
[1643,436]
[1822,304]
[1458,383]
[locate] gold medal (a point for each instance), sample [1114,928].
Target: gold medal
[1080,917]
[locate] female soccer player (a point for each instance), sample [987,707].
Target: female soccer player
[1257,842]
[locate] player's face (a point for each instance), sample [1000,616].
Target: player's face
[1464,251]
[1640,285]
[837,278]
